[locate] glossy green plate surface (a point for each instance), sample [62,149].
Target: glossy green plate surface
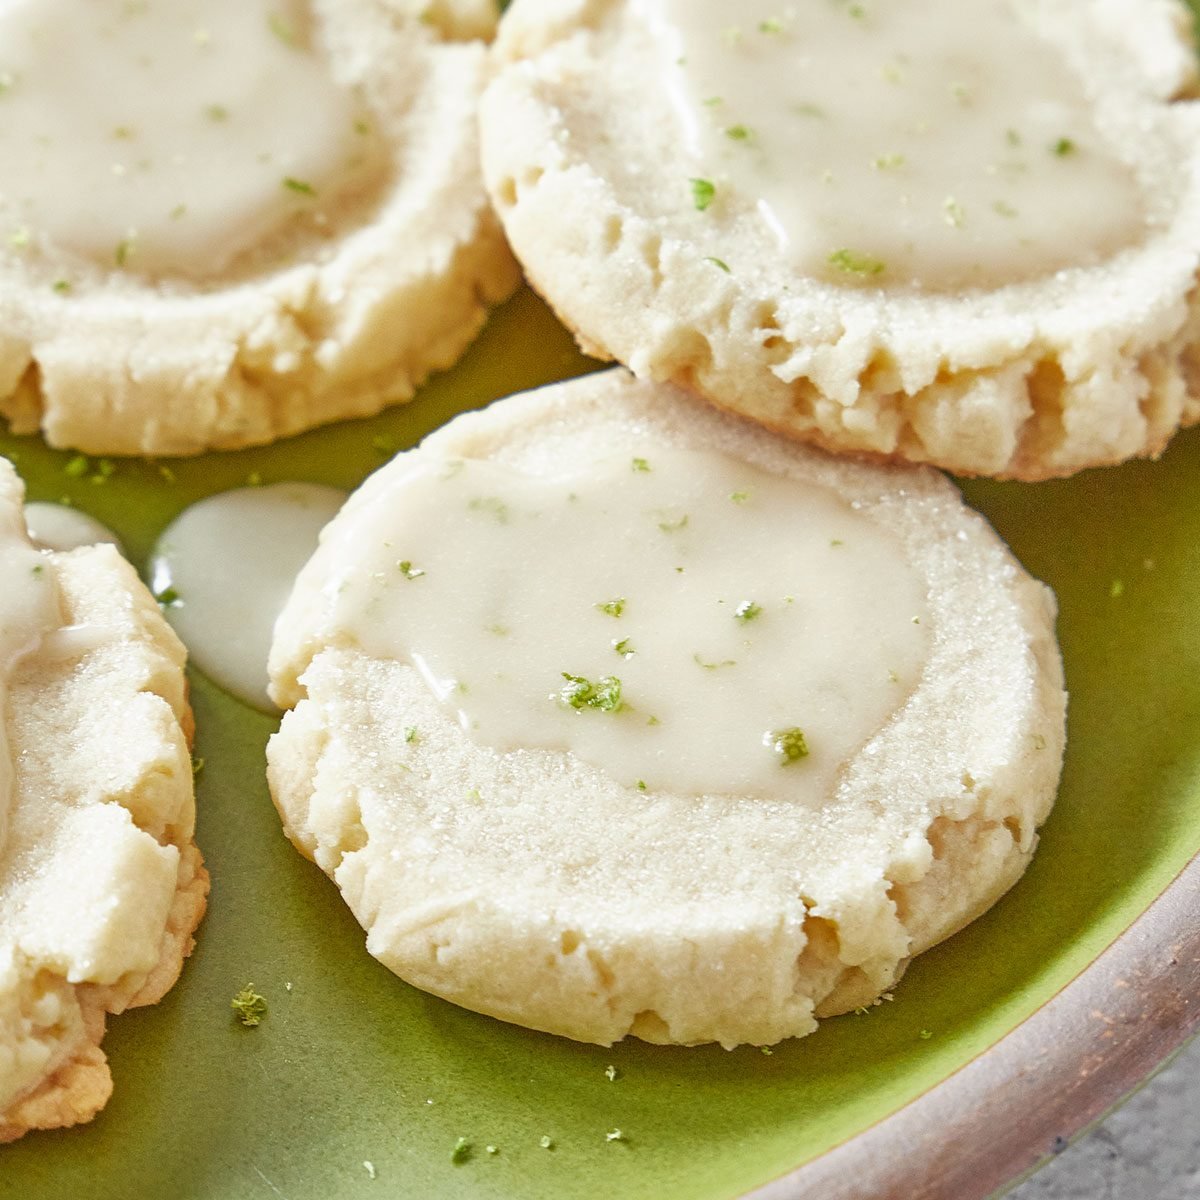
[352,1066]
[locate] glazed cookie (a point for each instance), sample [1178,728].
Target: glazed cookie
[613,714]
[101,883]
[958,233]
[226,223]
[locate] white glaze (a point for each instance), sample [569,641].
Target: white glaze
[157,135]
[494,584]
[230,561]
[937,143]
[61,527]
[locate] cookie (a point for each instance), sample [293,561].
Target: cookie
[284,223]
[101,883]
[958,234]
[612,714]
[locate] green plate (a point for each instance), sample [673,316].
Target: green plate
[351,1066]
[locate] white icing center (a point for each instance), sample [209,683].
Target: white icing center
[29,611]
[935,143]
[61,527]
[678,621]
[168,135]
[224,568]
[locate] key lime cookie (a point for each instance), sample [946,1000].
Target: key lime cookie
[227,222]
[101,883]
[612,714]
[961,233]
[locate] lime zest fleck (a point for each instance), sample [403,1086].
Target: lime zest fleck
[492,505]
[747,611]
[299,186]
[612,608]
[703,193]
[640,464]
[249,1007]
[713,666]
[408,570]
[719,263]
[281,28]
[580,693]
[461,1151]
[855,263]
[1063,147]
[789,744]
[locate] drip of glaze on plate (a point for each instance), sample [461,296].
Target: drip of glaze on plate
[169,135]
[683,621]
[61,527]
[937,144]
[29,612]
[224,568]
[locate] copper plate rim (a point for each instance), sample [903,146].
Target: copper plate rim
[1025,1097]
